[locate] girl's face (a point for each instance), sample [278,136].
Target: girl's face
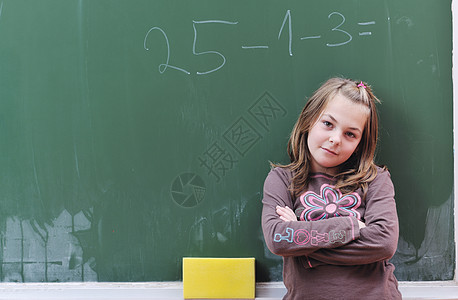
[336,134]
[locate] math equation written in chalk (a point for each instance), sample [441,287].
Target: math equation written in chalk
[284,30]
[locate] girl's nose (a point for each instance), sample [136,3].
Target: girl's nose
[334,139]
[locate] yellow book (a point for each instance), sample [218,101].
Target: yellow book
[221,278]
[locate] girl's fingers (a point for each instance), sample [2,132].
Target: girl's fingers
[286,214]
[282,211]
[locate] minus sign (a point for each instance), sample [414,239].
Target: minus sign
[311,37]
[365,33]
[255,47]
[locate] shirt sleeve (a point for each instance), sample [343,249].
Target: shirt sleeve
[378,240]
[298,238]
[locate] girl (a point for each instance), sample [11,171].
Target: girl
[331,212]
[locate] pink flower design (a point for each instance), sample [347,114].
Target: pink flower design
[329,204]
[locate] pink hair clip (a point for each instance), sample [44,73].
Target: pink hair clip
[361,84]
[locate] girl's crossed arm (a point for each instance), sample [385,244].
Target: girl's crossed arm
[285,236]
[378,240]
[287,214]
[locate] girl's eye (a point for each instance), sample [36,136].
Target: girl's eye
[327,124]
[351,135]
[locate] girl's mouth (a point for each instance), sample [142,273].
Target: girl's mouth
[329,151]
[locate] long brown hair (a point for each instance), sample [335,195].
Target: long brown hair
[360,168]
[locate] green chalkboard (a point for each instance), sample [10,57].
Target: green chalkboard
[135,133]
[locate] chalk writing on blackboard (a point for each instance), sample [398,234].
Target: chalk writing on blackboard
[285,26]
[365,24]
[337,28]
[208,52]
[163,67]
[290,36]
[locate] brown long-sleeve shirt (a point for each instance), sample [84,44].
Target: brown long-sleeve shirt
[325,254]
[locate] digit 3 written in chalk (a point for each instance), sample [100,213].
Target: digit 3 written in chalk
[286,25]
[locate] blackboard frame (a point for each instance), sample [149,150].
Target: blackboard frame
[455,125]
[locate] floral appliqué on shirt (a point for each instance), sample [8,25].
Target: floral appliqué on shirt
[331,203]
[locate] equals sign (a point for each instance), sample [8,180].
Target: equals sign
[365,24]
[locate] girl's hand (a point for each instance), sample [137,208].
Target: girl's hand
[286,213]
